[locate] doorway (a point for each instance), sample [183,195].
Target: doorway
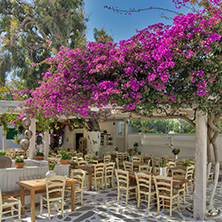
[78,136]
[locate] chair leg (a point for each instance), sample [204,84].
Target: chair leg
[41,203]
[178,203]
[81,198]
[19,211]
[127,195]
[138,199]
[62,208]
[48,206]
[148,207]
[118,194]
[171,200]
[106,181]
[95,184]
[12,210]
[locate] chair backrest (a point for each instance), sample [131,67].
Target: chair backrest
[79,154]
[128,166]
[75,158]
[164,185]
[190,172]
[181,173]
[109,168]
[99,169]
[145,168]
[143,182]
[107,158]
[122,178]
[125,156]
[119,156]
[117,163]
[82,163]
[87,157]
[79,175]
[137,158]
[95,161]
[171,164]
[55,184]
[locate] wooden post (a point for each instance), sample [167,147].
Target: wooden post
[46,143]
[125,135]
[32,140]
[4,132]
[200,166]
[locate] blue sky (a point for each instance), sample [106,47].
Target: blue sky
[124,26]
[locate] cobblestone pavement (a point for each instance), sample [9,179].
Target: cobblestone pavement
[102,205]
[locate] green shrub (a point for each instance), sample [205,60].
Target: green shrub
[64,155]
[19,159]
[2,153]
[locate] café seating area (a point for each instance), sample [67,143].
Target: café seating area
[134,188]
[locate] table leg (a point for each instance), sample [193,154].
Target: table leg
[23,199]
[72,197]
[32,205]
[90,180]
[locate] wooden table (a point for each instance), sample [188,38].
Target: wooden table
[135,164]
[40,184]
[90,171]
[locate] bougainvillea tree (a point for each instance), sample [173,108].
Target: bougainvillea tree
[160,67]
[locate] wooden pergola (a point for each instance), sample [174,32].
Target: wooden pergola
[200,148]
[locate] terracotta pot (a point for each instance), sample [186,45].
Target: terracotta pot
[64,161]
[39,157]
[19,165]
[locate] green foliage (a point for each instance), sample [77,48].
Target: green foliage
[32,30]
[19,159]
[176,151]
[7,119]
[163,161]
[39,154]
[64,155]
[101,36]
[163,126]
[16,139]
[2,153]
[186,163]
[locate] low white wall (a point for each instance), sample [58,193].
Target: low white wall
[9,176]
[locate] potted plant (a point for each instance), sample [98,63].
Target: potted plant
[163,163]
[65,157]
[105,132]
[96,153]
[131,152]
[176,151]
[116,149]
[52,164]
[39,156]
[5,161]
[186,163]
[90,162]
[19,162]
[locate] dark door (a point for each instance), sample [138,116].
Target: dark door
[78,136]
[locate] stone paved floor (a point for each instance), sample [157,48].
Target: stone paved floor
[103,206]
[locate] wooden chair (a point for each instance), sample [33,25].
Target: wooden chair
[137,158]
[7,206]
[125,156]
[164,191]
[128,166]
[144,189]
[170,165]
[79,175]
[117,163]
[107,158]
[82,163]
[123,187]
[180,173]
[190,177]
[98,174]
[109,169]
[55,188]
[87,157]
[145,168]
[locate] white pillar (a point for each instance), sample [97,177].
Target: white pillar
[125,135]
[46,143]
[4,132]
[200,166]
[32,140]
